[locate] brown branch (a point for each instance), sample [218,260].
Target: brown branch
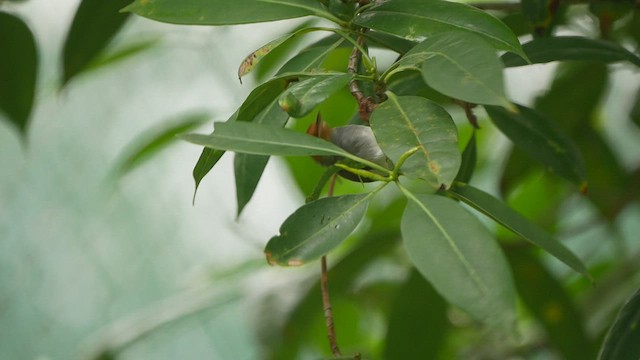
[468,111]
[324,287]
[328,311]
[365,103]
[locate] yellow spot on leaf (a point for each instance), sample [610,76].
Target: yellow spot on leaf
[553,312]
[434,166]
[295,262]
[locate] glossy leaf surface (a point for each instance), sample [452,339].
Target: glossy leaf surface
[512,220]
[417,322]
[215,12]
[622,342]
[248,168]
[316,228]
[256,102]
[540,139]
[416,20]
[94,25]
[463,262]
[18,70]
[301,98]
[464,67]
[550,304]
[563,48]
[404,122]
[265,140]
[313,7]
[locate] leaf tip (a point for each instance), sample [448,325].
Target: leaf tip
[270,260]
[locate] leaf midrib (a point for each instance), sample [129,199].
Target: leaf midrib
[454,247]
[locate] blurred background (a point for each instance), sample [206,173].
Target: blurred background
[93,264]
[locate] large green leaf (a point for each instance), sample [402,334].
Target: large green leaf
[96,22]
[417,322]
[316,228]
[417,19]
[512,220]
[256,102]
[313,7]
[540,139]
[623,339]
[550,304]
[215,12]
[258,139]
[404,122]
[459,257]
[563,48]
[18,70]
[248,168]
[460,65]
[154,140]
[300,99]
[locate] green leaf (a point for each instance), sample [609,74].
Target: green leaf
[155,140]
[375,243]
[540,139]
[94,25]
[551,305]
[271,62]
[417,322]
[512,220]
[622,342]
[389,41]
[18,70]
[316,228]
[268,140]
[459,65]
[416,19]
[255,103]
[215,12]
[459,257]
[255,57]
[469,160]
[248,168]
[312,57]
[563,48]
[404,122]
[313,7]
[300,99]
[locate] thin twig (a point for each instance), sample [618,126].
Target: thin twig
[468,111]
[365,104]
[324,286]
[328,311]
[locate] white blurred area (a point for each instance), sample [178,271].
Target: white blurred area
[77,254]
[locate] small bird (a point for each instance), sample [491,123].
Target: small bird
[356,139]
